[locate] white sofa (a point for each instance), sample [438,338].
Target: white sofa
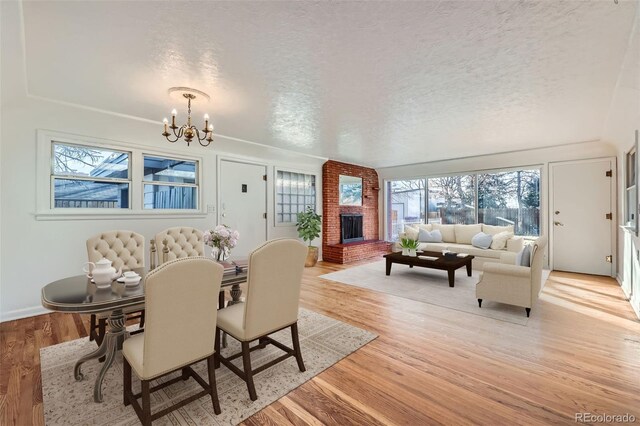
[457,238]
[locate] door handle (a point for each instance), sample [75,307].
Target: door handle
[223,215]
[558,223]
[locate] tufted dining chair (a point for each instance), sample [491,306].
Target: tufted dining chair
[125,249]
[181,324]
[179,242]
[272,298]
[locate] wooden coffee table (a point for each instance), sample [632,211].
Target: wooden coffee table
[442,263]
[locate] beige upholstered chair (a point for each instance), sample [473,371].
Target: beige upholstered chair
[179,242]
[272,298]
[513,284]
[181,323]
[125,249]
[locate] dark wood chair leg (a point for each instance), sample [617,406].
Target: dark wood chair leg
[262,342]
[146,404]
[92,328]
[185,373]
[212,384]
[127,391]
[479,303]
[142,320]
[248,372]
[102,329]
[528,311]
[216,347]
[296,346]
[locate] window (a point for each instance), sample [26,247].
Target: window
[294,193]
[85,177]
[452,199]
[631,188]
[510,198]
[170,183]
[89,177]
[406,204]
[497,198]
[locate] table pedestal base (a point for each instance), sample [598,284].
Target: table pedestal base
[108,348]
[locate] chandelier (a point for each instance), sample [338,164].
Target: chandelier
[188,131]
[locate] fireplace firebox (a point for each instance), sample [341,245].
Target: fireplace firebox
[351,228]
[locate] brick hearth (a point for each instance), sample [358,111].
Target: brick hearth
[332,250]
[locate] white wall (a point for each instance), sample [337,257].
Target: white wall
[533,157]
[35,252]
[622,122]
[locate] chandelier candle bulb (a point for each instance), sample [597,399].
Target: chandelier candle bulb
[166,124]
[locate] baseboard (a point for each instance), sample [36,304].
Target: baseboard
[22,313]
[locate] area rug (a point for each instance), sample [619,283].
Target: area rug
[429,286]
[324,341]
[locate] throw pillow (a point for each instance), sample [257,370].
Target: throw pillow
[523,258]
[481,240]
[411,232]
[500,240]
[434,236]
[526,256]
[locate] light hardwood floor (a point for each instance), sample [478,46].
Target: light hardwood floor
[580,352]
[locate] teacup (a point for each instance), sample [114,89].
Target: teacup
[132,280]
[130,274]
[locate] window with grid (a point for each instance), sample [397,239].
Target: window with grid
[294,193]
[89,177]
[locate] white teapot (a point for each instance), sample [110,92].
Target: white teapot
[102,272]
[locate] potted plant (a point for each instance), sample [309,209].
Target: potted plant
[409,247]
[308,226]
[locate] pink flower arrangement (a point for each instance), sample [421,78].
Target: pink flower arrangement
[222,238]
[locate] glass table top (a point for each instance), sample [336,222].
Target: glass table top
[79,294]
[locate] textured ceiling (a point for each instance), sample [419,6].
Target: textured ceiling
[375,83]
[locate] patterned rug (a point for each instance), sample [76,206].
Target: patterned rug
[324,341]
[430,286]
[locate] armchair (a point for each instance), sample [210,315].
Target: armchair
[513,284]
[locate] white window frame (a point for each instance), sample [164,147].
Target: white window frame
[159,183]
[44,180]
[275,193]
[54,176]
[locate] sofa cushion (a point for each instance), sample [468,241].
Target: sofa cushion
[438,247]
[448,232]
[493,230]
[482,253]
[464,233]
[411,232]
[430,237]
[481,240]
[499,241]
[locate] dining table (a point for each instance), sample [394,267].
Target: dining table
[78,294]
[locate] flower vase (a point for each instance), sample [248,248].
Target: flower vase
[405,252]
[218,254]
[412,252]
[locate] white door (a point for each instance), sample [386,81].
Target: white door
[243,204]
[580,229]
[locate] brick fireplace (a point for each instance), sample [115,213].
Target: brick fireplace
[333,250]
